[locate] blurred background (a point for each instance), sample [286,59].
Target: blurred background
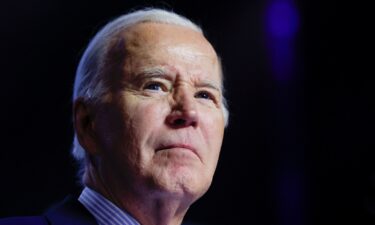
[299,146]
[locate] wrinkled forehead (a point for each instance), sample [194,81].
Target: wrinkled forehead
[151,33]
[155,44]
[153,41]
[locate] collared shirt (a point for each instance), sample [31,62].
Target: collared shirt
[104,211]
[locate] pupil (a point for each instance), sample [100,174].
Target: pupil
[204,95]
[153,86]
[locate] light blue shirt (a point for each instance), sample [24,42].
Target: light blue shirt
[104,211]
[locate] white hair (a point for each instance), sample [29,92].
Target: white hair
[89,81]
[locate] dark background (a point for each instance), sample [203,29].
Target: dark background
[298,149]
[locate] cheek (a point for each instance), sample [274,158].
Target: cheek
[213,126]
[213,133]
[146,119]
[146,116]
[130,130]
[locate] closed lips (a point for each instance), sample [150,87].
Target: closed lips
[171,146]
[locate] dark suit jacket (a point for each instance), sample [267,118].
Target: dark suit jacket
[69,212]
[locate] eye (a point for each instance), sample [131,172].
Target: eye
[204,95]
[154,86]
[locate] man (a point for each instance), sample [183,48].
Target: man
[149,117]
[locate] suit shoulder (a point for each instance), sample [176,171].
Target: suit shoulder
[25,220]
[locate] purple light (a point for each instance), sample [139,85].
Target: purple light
[282,19]
[281,26]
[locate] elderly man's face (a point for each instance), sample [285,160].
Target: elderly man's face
[162,126]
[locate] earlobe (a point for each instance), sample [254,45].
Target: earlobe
[83,121]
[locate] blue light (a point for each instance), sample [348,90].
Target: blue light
[281,26]
[282,19]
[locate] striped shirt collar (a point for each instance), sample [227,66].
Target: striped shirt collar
[104,211]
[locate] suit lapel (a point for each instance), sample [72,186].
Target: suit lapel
[70,212]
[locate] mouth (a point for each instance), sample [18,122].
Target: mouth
[178,146]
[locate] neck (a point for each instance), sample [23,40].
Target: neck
[148,207]
[158,210]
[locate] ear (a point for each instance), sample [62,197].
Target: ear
[84,126]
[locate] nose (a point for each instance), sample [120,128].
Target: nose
[184,110]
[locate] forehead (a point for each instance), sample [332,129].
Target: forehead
[151,44]
[149,34]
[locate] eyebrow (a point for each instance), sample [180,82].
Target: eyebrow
[153,72]
[161,72]
[208,84]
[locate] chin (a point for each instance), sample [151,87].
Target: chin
[185,185]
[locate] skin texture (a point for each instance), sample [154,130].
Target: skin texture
[154,142]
